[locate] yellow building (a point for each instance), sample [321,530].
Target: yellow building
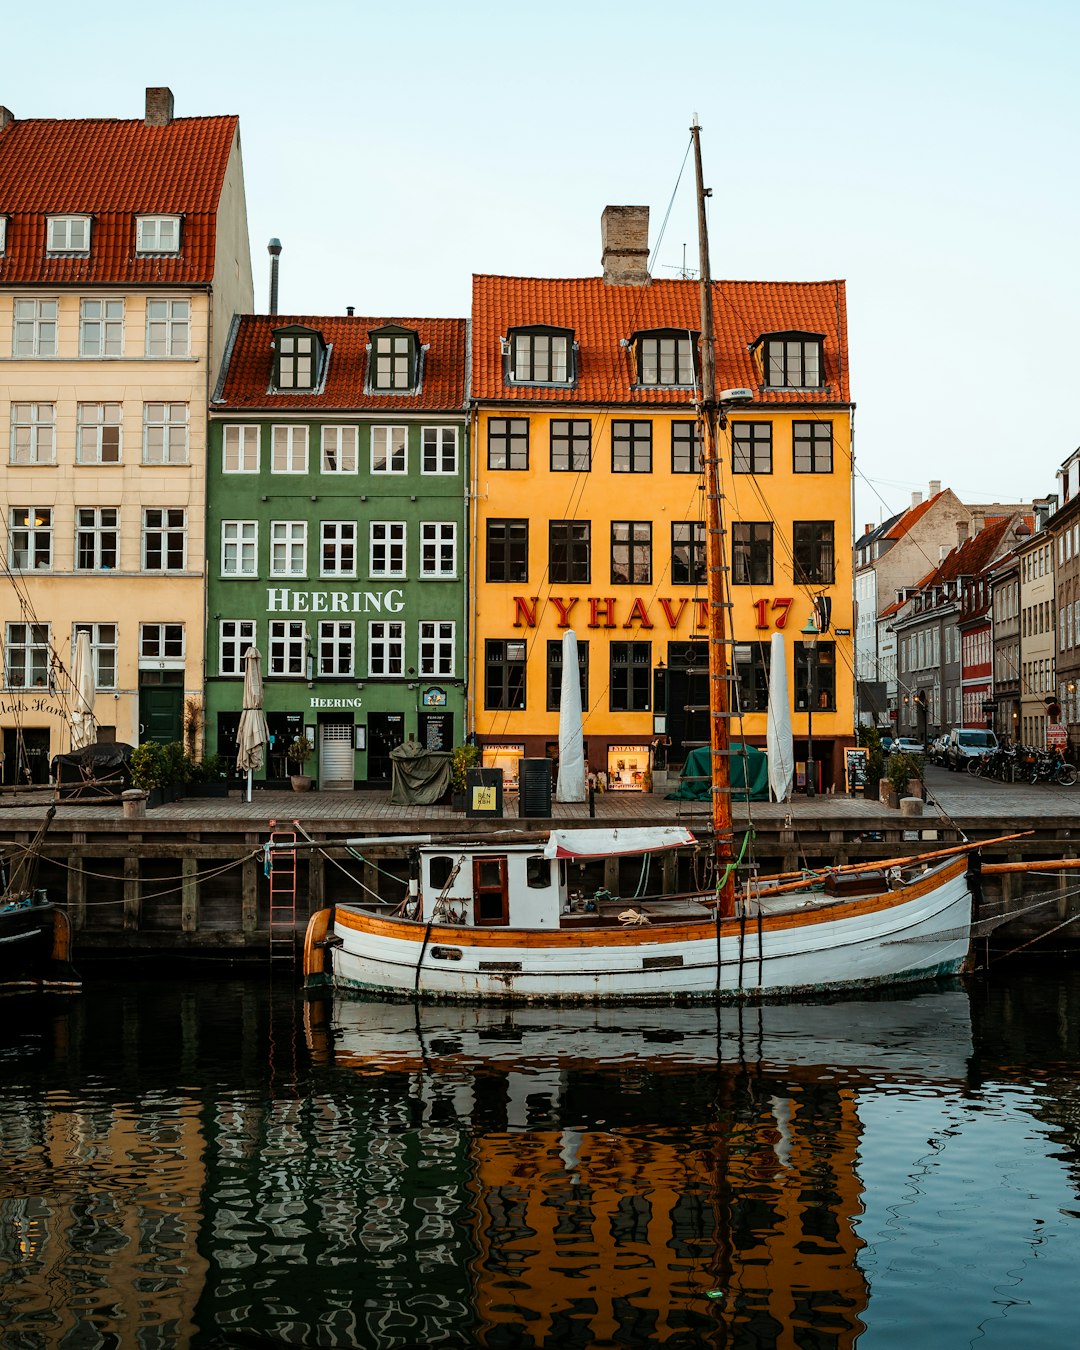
[123,256]
[588,509]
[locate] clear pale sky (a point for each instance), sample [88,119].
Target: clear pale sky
[925,152]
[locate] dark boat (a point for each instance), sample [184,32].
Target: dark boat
[35,933]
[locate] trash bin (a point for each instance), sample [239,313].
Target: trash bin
[534,786]
[484,793]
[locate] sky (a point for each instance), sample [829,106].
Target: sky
[924,152]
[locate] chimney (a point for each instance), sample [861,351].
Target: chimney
[274,249]
[6,117]
[624,234]
[916,499]
[935,486]
[868,528]
[350,310]
[961,532]
[978,521]
[159,107]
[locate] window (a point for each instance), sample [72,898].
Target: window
[752,676]
[386,648]
[288,449]
[387,548]
[287,647]
[752,553]
[3,235]
[508,550]
[102,651]
[26,655]
[97,538]
[161,645]
[340,450]
[688,562]
[97,433]
[168,327]
[288,548]
[436,649]
[793,361]
[812,447]
[165,433]
[631,676]
[751,447]
[439,450]
[296,359]
[157,234]
[812,545]
[30,538]
[239,548]
[815,676]
[438,548]
[508,443]
[631,552]
[393,359]
[68,234]
[389,449]
[235,637]
[569,550]
[631,447]
[35,328]
[666,359]
[33,433]
[336,647]
[240,450]
[504,674]
[686,454]
[101,328]
[164,539]
[540,356]
[555,673]
[337,552]
[571,445]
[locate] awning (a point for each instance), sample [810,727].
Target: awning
[602,843]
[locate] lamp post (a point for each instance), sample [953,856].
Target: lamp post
[809,634]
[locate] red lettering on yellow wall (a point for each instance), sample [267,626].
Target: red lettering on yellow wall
[598,606]
[761,606]
[673,619]
[702,619]
[639,614]
[564,609]
[783,604]
[525,611]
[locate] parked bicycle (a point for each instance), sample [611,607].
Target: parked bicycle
[1051,767]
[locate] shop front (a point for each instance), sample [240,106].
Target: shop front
[629,768]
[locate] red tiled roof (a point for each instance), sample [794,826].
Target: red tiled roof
[602,315]
[912,516]
[246,380]
[974,555]
[112,170]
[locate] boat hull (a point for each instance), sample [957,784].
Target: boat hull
[35,948]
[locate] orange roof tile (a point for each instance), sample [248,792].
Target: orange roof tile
[247,375]
[112,170]
[911,517]
[602,315]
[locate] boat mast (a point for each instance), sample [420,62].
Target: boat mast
[710,418]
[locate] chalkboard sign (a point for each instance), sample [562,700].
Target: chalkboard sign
[436,730]
[856,768]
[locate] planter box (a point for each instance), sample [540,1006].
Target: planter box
[888,795]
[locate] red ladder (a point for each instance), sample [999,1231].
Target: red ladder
[282,894]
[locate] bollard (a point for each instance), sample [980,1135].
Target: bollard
[134,800]
[911,806]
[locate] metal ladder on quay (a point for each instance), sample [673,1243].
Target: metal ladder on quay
[282,878]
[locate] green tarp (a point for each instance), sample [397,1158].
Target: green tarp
[749,775]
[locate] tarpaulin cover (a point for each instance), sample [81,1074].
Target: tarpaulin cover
[419,777]
[105,765]
[695,781]
[601,843]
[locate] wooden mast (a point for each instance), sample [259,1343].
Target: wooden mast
[709,416]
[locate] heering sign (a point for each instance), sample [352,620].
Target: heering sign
[282,600]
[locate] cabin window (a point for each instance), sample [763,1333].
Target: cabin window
[489,891]
[446,953]
[538,873]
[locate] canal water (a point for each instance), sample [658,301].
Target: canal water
[220,1163]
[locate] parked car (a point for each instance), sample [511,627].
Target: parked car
[939,749]
[906,745]
[965,743]
[886,741]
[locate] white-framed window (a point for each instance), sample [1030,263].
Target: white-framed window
[3,235]
[103,647]
[162,646]
[35,328]
[436,649]
[33,433]
[440,450]
[98,437]
[101,328]
[68,234]
[157,234]
[287,647]
[387,548]
[288,548]
[97,538]
[26,655]
[389,449]
[340,450]
[337,555]
[289,449]
[438,548]
[235,636]
[386,648]
[240,449]
[337,647]
[239,548]
[164,539]
[168,327]
[165,433]
[30,538]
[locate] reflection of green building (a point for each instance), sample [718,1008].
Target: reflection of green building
[336,538]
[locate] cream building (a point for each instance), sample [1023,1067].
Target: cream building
[123,257]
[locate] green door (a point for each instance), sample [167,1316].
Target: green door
[161,713]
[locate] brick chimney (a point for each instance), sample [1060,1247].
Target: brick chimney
[916,499]
[935,486]
[159,107]
[6,117]
[624,234]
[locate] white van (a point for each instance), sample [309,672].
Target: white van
[965,743]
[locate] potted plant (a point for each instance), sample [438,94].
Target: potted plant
[462,759]
[208,777]
[299,753]
[148,771]
[906,774]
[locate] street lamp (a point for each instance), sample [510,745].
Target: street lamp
[810,635]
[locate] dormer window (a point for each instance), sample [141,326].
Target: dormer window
[157,234]
[791,360]
[3,235]
[540,356]
[394,363]
[665,359]
[297,359]
[69,234]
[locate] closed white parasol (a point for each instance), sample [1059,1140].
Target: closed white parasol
[252,734]
[778,738]
[83,727]
[571,782]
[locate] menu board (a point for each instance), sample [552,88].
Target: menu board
[856,768]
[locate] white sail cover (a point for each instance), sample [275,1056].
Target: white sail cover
[778,739]
[603,843]
[83,731]
[570,786]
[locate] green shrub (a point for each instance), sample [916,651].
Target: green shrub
[462,759]
[902,769]
[147,765]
